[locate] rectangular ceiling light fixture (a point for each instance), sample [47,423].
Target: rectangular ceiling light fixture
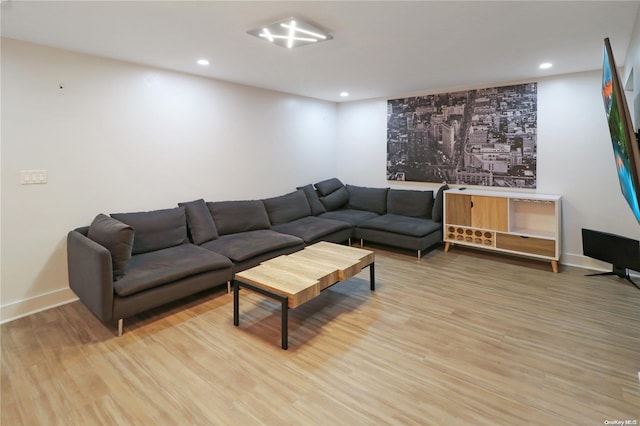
[290,33]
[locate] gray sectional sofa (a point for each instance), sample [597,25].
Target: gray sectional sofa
[127,263]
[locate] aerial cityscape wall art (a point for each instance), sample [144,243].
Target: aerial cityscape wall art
[484,137]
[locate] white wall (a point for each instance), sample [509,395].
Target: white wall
[575,158]
[121,137]
[631,74]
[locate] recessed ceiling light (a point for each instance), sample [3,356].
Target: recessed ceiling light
[546,65]
[290,33]
[344,94]
[202,62]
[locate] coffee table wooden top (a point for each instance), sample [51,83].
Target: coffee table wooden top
[302,275]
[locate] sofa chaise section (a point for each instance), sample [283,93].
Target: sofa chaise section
[408,219]
[123,265]
[401,231]
[413,221]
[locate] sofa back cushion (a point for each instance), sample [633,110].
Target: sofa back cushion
[314,201]
[333,194]
[368,199]
[410,203]
[157,229]
[199,221]
[328,186]
[287,208]
[436,214]
[336,199]
[115,236]
[232,217]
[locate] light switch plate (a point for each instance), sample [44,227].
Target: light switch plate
[30,177]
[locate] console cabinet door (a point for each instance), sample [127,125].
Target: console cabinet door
[489,212]
[458,210]
[477,211]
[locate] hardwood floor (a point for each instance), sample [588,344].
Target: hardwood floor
[462,337]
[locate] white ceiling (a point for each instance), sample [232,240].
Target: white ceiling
[380,49]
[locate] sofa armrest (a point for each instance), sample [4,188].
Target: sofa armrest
[90,274]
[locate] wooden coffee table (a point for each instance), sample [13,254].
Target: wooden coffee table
[299,277]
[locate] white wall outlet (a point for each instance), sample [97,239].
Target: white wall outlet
[29,177]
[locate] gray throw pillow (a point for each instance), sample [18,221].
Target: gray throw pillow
[328,186]
[406,202]
[313,199]
[115,236]
[199,221]
[368,199]
[156,230]
[436,214]
[287,208]
[336,199]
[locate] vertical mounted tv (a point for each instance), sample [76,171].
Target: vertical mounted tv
[623,138]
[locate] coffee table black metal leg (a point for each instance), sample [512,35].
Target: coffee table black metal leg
[236,303]
[284,302]
[285,323]
[372,277]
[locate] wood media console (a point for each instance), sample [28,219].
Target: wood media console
[508,222]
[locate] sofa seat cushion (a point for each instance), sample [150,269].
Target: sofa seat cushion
[353,217]
[245,245]
[156,268]
[312,228]
[412,226]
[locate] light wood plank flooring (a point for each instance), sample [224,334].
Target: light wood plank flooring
[463,337]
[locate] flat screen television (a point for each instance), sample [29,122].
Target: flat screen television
[622,252]
[625,145]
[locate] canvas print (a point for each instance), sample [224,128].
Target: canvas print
[484,137]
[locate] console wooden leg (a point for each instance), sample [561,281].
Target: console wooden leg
[447,245]
[554,266]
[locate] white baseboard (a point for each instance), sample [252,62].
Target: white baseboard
[42,302]
[580,261]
